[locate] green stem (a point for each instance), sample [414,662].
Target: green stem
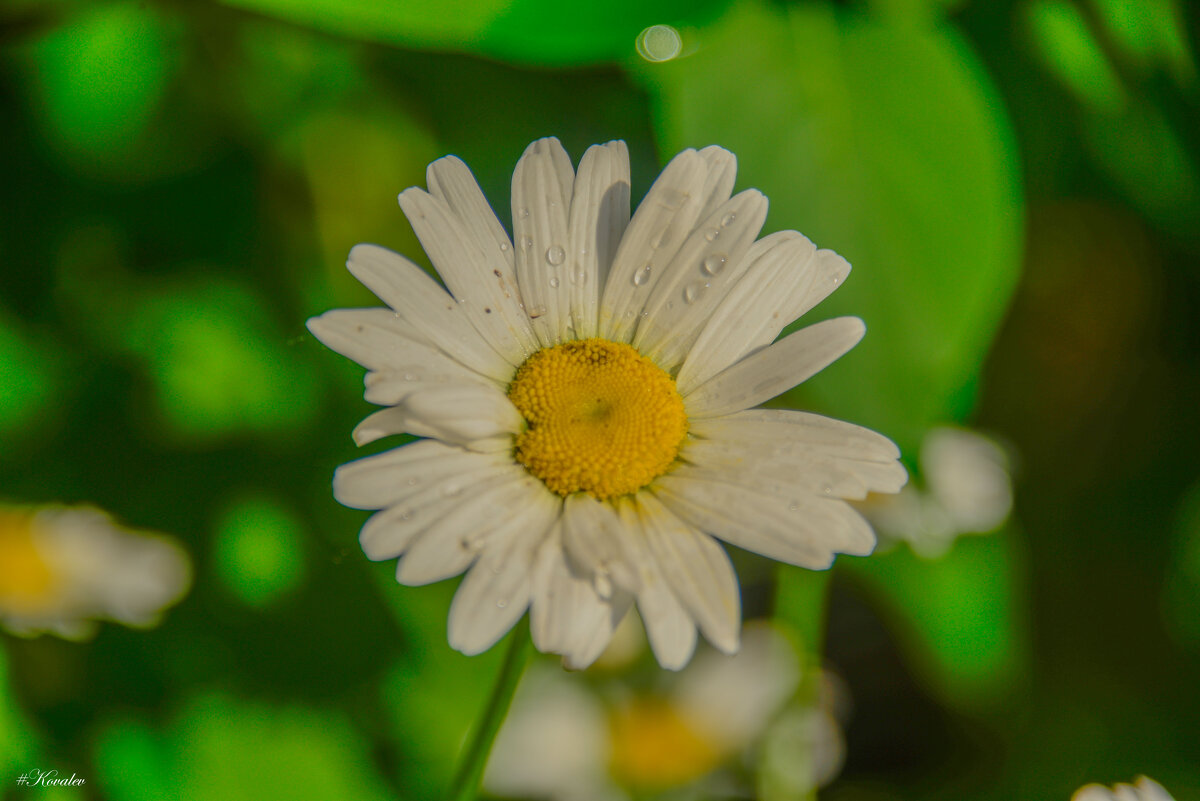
[470,770]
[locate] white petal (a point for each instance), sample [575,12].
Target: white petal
[375,482]
[754,310]
[463,413]
[567,616]
[787,468]
[427,307]
[823,434]
[659,226]
[711,259]
[390,387]
[599,544]
[379,339]
[388,533]
[496,591]
[541,198]
[669,627]
[599,216]
[829,271]
[476,279]
[775,369]
[803,531]
[698,570]
[448,546]
[722,172]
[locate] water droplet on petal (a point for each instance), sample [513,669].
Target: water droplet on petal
[537,311]
[693,290]
[793,506]
[527,242]
[504,246]
[501,604]
[642,275]
[412,482]
[713,263]
[828,490]
[553,282]
[524,213]
[602,583]
[711,234]
[555,255]
[728,218]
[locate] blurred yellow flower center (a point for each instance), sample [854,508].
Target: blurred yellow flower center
[27,583]
[655,746]
[602,418]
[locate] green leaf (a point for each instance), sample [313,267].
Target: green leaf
[958,616]
[219,748]
[889,146]
[526,31]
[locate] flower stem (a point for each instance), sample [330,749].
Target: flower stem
[470,770]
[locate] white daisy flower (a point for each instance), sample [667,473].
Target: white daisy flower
[1143,789]
[586,397]
[63,569]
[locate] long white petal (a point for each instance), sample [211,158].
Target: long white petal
[811,431]
[711,259]
[804,530]
[718,184]
[497,589]
[541,198]
[599,216]
[775,369]
[463,412]
[375,482]
[698,570]
[599,544]
[388,533]
[430,309]
[567,616]
[659,226]
[451,543]
[669,627]
[484,294]
[754,310]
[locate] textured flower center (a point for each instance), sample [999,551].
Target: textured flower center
[603,419]
[27,583]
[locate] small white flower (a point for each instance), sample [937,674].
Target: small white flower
[62,569]
[563,740]
[586,396]
[1143,789]
[967,491]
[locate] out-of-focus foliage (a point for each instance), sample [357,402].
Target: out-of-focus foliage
[1016,183]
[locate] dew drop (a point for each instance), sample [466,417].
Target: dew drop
[526,242]
[728,218]
[501,604]
[711,234]
[828,490]
[555,255]
[412,482]
[660,239]
[713,263]
[693,291]
[642,275]
[793,506]
[407,514]
[553,282]
[524,213]
[537,311]
[602,583]
[410,377]
[504,246]
[579,277]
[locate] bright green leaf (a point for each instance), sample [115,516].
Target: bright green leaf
[1073,54]
[259,550]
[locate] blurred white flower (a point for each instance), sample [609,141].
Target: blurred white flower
[63,569]
[567,740]
[966,490]
[1143,789]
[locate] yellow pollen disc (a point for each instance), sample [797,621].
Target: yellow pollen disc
[602,418]
[27,583]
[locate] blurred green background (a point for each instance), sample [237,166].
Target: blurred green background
[1016,182]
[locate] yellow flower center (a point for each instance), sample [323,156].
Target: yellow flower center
[655,746]
[603,419]
[27,582]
